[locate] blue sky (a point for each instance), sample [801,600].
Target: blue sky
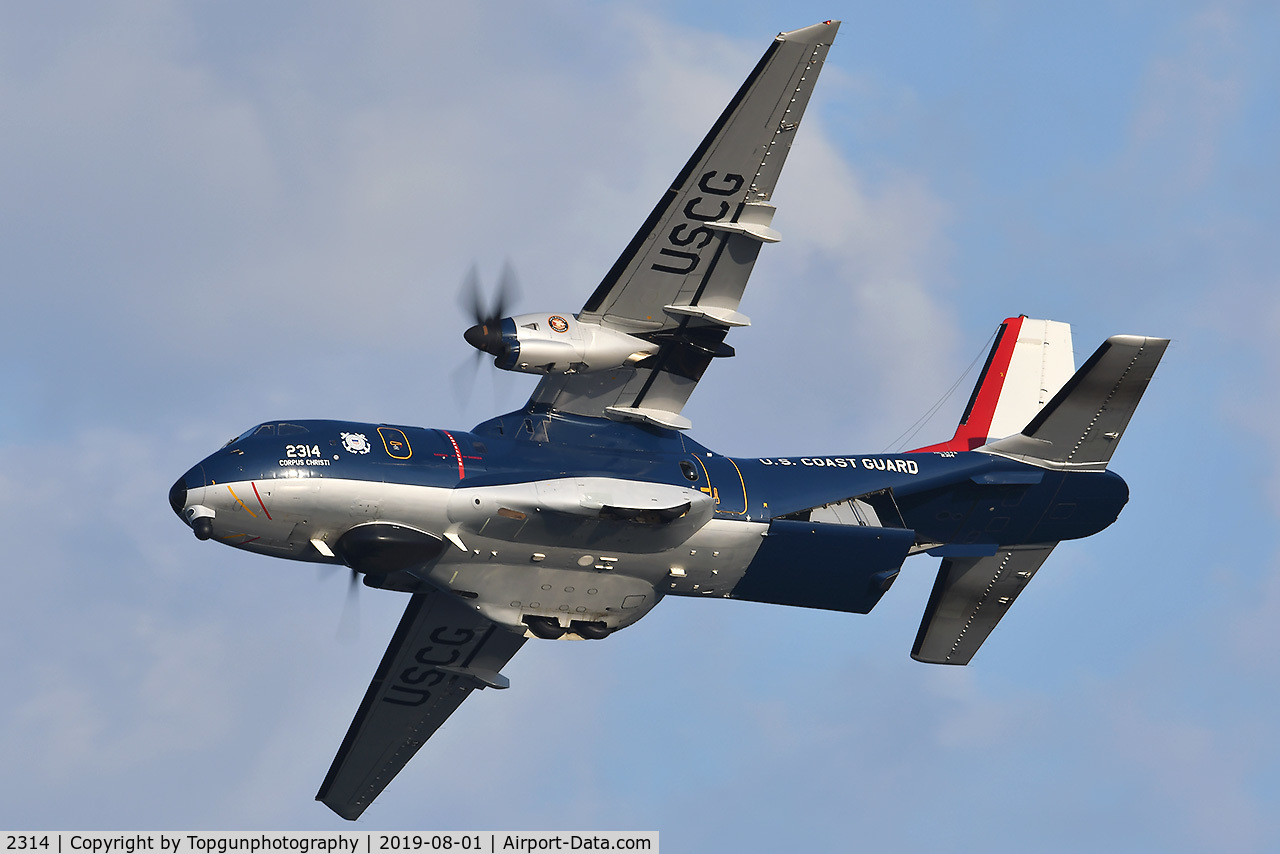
[219,214]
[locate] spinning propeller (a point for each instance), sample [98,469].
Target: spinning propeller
[486,333]
[349,622]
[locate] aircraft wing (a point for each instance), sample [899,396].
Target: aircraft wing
[680,279]
[440,653]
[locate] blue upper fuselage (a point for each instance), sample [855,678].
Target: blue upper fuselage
[965,498]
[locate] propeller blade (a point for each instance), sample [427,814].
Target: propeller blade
[486,332]
[508,291]
[349,624]
[469,298]
[464,378]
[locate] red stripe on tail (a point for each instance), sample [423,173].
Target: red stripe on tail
[975,424]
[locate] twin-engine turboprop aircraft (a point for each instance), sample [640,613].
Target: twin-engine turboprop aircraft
[576,515]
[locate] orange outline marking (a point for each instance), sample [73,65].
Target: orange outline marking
[241,503]
[744,488]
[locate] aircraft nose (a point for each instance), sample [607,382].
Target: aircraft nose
[178,496]
[192,480]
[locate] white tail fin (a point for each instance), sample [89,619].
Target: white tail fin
[1029,361]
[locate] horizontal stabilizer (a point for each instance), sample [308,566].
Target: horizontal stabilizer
[1080,427]
[969,597]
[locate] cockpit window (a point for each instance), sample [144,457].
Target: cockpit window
[260,430]
[282,428]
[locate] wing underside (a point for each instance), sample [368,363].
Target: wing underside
[441,652]
[681,278]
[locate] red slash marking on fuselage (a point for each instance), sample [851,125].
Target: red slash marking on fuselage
[457,452]
[259,497]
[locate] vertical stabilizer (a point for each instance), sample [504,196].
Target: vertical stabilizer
[1029,361]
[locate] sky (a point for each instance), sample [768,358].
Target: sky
[213,215]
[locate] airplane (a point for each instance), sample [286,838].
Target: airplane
[574,516]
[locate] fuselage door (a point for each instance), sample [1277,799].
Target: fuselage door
[720,478]
[396,443]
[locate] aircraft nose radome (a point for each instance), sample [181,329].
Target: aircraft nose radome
[178,496]
[178,493]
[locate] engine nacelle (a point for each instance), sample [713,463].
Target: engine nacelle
[584,512]
[557,344]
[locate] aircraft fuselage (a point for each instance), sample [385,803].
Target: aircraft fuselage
[520,520]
